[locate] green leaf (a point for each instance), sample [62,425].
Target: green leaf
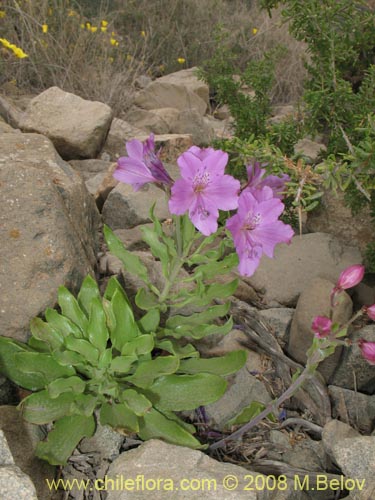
[84,404]
[155,425]
[148,371]
[213,269]
[70,384]
[67,358]
[39,408]
[88,292]
[46,333]
[172,416]
[201,331]
[63,439]
[173,347]
[186,392]
[138,346]
[138,403]
[122,364]
[131,262]
[8,349]
[62,324]
[207,315]
[83,347]
[150,321]
[97,328]
[41,363]
[119,416]
[187,231]
[70,308]
[146,300]
[105,358]
[38,345]
[223,365]
[125,328]
[158,249]
[247,414]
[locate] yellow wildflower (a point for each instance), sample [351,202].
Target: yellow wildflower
[255,31]
[181,60]
[72,13]
[113,33]
[45,28]
[2,14]
[16,50]
[103,28]
[104,23]
[143,33]
[114,41]
[88,26]
[82,26]
[93,29]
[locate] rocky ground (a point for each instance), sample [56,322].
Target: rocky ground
[57,156]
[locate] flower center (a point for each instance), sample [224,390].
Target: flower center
[251,221]
[200,181]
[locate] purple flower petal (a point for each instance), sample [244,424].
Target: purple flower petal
[134,149]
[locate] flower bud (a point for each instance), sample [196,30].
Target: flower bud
[370,310]
[367,350]
[321,326]
[351,276]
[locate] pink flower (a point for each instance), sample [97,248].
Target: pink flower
[367,350]
[255,181]
[203,188]
[370,310]
[256,228]
[142,165]
[321,326]
[351,276]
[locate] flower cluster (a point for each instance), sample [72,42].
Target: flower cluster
[17,51]
[323,327]
[204,189]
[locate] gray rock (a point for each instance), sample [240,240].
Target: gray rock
[125,208]
[171,146]
[76,127]
[22,438]
[147,120]
[309,148]
[279,318]
[190,121]
[89,168]
[101,185]
[243,388]
[188,78]
[334,432]
[333,216]
[309,256]
[315,301]
[161,94]
[354,372]
[6,457]
[172,464]
[48,229]
[120,132]
[132,238]
[353,408]
[106,441]
[356,456]
[15,484]
[308,454]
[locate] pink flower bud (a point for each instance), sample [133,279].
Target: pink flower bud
[321,326]
[368,350]
[370,310]
[351,276]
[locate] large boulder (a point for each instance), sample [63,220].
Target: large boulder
[48,227]
[148,120]
[282,279]
[188,78]
[120,132]
[161,94]
[76,127]
[191,122]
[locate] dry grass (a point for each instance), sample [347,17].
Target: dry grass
[152,36]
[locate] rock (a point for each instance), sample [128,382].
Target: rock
[243,388]
[334,432]
[161,94]
[308,454]
[333,216]
[363,295]
[315,301]
[106,441]
[294,266]
[171,146]
[354,372]
[7,129]
[9,112]
[310,149]
[147,120]
[279,318]
[132,238]
[120,132]
[353,408]
[191,122]
[356,457]
[178,468]
[15,484]
[101,185]
[222,129]
[48,229]
[168,115]
[8,392]
[126,208]
[76,127]
[188,78]
[222,112]
[6,457]
[142,81]
[90,168]
[22,438]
